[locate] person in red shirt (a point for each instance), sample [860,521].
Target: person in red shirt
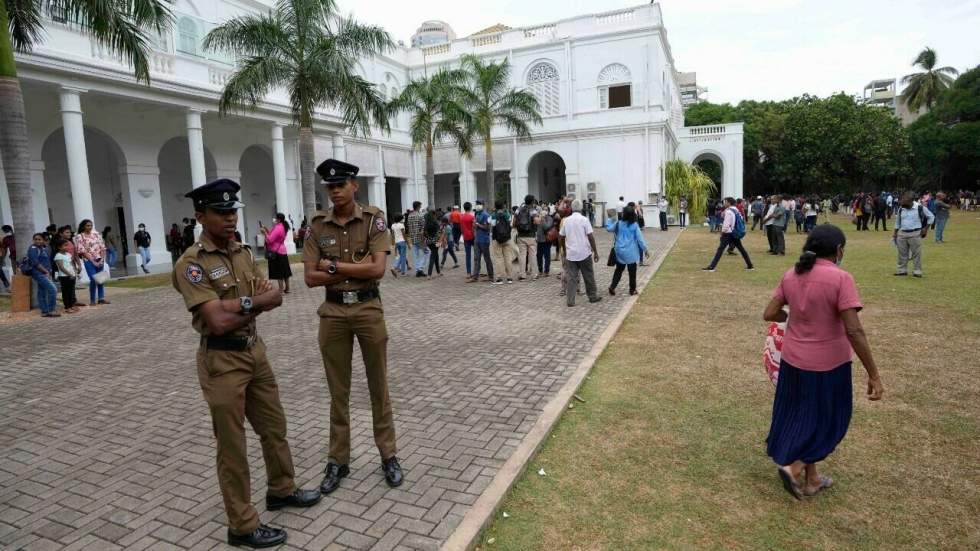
[465,225]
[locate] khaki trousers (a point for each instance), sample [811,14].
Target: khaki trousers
[503,257]
[527,256]
[909,246]
[240,385]
[339,324]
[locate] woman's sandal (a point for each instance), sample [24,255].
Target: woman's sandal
[825,483]
[790,484]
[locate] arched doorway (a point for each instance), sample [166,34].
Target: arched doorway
[713,165]
[258,190]
[105,158]
[545,177]
[174,162]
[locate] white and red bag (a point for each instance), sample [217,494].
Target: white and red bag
[773,350]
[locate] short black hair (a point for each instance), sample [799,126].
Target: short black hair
[528,199]
[467,206]
[498,204]
[8,228]
[416,205]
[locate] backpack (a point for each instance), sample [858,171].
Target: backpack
[432,227]
[524,223]
[738,230]
[25,267]
[501,229]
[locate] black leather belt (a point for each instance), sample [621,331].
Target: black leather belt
[915,230]
[352,297]
[236,344]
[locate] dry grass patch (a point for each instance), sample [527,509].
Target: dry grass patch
[668,451]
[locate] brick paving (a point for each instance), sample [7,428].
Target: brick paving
[106,441]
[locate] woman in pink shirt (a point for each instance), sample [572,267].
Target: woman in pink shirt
[275,252]
[813,403]
[91,249]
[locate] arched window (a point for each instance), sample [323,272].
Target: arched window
[384,91]
[615,87]
[188,36]
[543,82]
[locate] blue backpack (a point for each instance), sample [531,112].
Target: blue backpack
[738,231]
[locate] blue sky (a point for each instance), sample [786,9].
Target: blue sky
[745,49]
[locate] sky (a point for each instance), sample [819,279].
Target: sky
[744,49]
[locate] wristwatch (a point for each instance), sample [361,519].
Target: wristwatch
[332,268]
[246,303]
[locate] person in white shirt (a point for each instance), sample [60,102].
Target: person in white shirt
[809,215]
[66,273]
[619,208]
[401,246]
[768,226]
[577,244]
[662,205]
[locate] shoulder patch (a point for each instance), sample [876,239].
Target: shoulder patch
[379,224]
[194,273]
[220,271]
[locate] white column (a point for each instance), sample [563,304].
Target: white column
[195,144]
[74,127]
[376,187]
[279,176]
[518,180]
[466,191]
[339,151]
[40,197]
[142,204]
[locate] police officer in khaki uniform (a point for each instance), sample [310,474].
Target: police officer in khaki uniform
[346,251]
[225,291]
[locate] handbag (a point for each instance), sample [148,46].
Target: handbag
[270,255]
[612,250]
[102,275]
[552,235]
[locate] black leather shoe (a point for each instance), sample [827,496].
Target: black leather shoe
[299,498]
[263,536]
[332,475]
[393,472]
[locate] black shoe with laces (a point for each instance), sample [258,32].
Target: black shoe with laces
[299,498]
[393,472]
[263,536]
[331,477]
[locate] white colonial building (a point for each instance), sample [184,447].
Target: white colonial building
[122,153]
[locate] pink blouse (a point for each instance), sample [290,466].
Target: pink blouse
[275,240]
[815,338]
[90,244]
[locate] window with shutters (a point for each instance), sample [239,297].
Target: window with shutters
[543,82]
[188,37]
[615,87]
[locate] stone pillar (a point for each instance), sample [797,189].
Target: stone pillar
[279,175]
[74,128]
[40,198]
[518,179]
[339,151]
[376,186]
[467,182]
[142,204]
[195,144]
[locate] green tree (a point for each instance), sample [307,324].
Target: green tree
[489,101]
[433,102]
[306,48]
[120,26]
[925,87]
[946,141]
[682,179]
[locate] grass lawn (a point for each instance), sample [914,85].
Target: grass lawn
[669,449]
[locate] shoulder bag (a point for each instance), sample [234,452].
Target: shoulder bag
[612,250]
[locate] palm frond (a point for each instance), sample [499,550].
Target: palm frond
[251,82]
[250,35]
[24,23]
[114,28]
[359,40]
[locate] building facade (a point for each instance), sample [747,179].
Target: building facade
[123,153]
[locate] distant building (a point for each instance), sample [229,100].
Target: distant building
[691,93]
[884,93]
[431,33]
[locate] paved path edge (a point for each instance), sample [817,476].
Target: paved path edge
[467,534]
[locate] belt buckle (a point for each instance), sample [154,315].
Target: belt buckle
[250,341]
[350,297]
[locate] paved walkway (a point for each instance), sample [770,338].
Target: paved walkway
[106,441]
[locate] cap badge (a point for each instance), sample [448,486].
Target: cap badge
[226,196]
[333,171]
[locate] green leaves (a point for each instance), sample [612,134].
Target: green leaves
[682,179]
[925,88]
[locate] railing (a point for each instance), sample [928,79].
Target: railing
[436,50]
[218,77]
[706,130]
[162,62]
[541,30]
[620,16]
[486,39]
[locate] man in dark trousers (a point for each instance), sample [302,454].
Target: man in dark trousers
[732,232]
[225,292]
[347,253]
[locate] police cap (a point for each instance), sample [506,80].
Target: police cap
[333,171]
[221,194]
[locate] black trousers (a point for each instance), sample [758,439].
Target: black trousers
[618,274]
[663,220]
[726,240]
[756,219]
[67,291]
[771,237]
[683,220]
[434,259]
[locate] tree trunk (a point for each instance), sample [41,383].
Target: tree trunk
[307,169]
[488,148]
[14,151]
[430,177]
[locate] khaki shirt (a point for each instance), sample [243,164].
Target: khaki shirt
[205,273]
[364,234]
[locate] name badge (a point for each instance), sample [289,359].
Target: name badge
[218,272]
[327,241]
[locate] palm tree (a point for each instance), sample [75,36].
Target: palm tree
[490,101]
[925,87]
[122,27]
[434,105]
[305,47]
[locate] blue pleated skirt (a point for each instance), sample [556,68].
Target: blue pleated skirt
[810,413]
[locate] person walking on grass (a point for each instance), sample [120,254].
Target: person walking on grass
[732,232]
[776,221]
[942,209]
[813,402]
[629,247]
[911,227]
